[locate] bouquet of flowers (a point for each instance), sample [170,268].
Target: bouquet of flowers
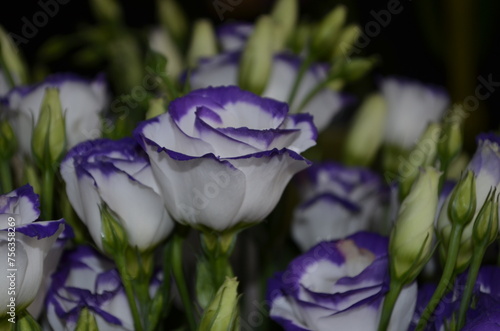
[192,187]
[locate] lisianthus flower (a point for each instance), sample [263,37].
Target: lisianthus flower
[337,201]
[338,285]
[223,156]
[24,245]
[233,36]
[117,175]
[81,100]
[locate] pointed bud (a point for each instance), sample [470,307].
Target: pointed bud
[172,17]
[450,143]
[486,224]
[462,206]
[328,31]
[222,313]
[367,131]
[412,236]
[107,11]
[347,39]
[26,322]
[354,69]
[49,135]
[86,321]
[285,14]
[10,60]
[257,58]
[300,38]
[203,42]
[114,237]
[156,107]
[7,141]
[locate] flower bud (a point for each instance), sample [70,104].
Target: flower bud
[86,321]
[173,19]
[114,237]
[10,57]
[107,11]
[300,37]
[285,14]
[412,235]
[203,42]
[222,312]
[450,143]
[328,31]
[7,141]
[257,58]
[49,135]
[353,69]
[367,132]
[486,223]
[462,205]
[345,44]
[156,107]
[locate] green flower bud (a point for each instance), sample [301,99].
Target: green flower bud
[257,58]
[412,236]
[285,15]
[203,42]
[351,70]
[328,31]
[114,237]
[450,143]
[222,313]
[10,60]
[7,140]
[367,131]
[86,321]
[156,107]
[300,37]
[462,206]
[107,11]
[345,44]
[486,223]
[49,135]
[26,322]
[172,17]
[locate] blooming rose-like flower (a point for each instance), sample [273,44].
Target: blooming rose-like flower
[411,107]
[338,285]
[81,100]
[223,70]
[24,245]
[223,156]
[337,201]
[116,174]
[86,279]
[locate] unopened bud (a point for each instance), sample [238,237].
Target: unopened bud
[222,313]
[172,17]
[462,206]
[347,39]
[486,223]
[285,14]
[203,42]
[328,31]
[107,11]
[10,57]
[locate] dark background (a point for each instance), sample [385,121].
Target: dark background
[444,42]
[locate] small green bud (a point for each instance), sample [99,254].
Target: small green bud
[450,143]
[107,11]
[412,235]
[172,17]
[486,223]
[367,131]
[285,15]
[347,39]
[354,69]
[49,135]
[462,206]
[300,38]
[26,322]
[7,140]
[328,31]
[222,313]
[156,107]
[86,321]
[257,58]
[10,60]
[114,237]
[203,42]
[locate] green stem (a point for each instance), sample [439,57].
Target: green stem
[389,302]
[129,291]
[477,258]
[47,196]
[6,176]
[304,66]
[446,277]
[180,280]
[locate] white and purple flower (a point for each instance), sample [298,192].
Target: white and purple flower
[82,102]
[86,279]
[223,156]
[411,107]
[222,70]
[116,174]
[337,201]
[338,285]
[24,245]
[233,36]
